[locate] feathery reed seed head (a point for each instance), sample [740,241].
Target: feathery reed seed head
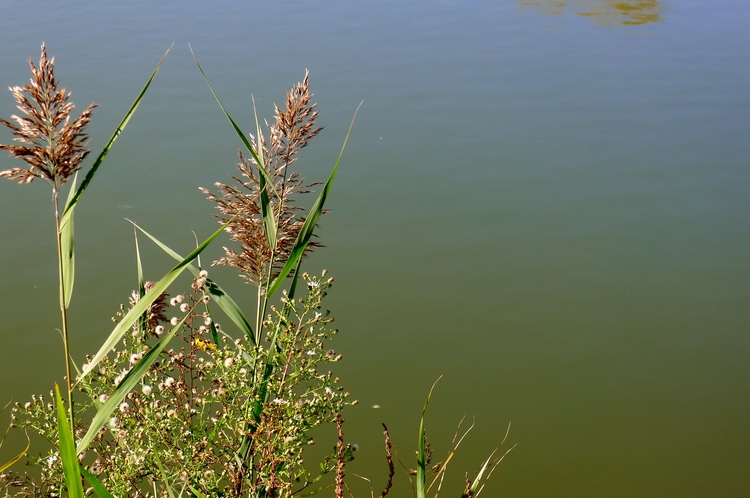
[293,128]
[52,146]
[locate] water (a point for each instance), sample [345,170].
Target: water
[545,202]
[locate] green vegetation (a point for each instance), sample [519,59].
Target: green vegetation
[174,404]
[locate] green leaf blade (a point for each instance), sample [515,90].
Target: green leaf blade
[68,454]
[72,201]
[221,298]
[142,305]
[127,384]
[99,488]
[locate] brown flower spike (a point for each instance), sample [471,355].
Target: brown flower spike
[293,128]
[52,146]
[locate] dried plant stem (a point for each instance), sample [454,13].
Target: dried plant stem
[340,463]
[389,458]
[63,305]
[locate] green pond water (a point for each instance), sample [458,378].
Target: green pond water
[545,202]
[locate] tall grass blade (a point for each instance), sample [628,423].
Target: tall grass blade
[305,233]
[126,385]
[237,130]
[422,448]
[70,205]
[141,281]
[68,451]
[99,488]
[142,305]
[67,246]
[221,298]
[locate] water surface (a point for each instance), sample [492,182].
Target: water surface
[546,202]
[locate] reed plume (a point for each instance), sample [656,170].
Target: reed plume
[53,147]
[293,128]
[51,144]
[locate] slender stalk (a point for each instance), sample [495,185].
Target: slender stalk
[63,306]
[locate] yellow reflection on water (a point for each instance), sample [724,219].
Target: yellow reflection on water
[602,12]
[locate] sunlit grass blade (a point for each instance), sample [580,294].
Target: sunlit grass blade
[441,472]
[68,451]
[306,232]
[99,488]
[67,247]
[221,298]
[237,130]
[16,458]
[126,385]
[142,305]
[475,488]
[71,203]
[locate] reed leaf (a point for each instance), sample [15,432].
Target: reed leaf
[141,280]
[126,385]
[269,221]
[68,453]
[67,255]
[142,305]
[306,232]
[99,488]
[263,173]
[221,298]
[73,201]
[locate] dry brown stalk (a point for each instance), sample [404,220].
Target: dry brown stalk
[52,146]
[340,457]
[389,458]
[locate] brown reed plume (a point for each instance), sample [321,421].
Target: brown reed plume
[293,128]
[52,146]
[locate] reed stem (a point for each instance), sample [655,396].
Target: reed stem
[63,305]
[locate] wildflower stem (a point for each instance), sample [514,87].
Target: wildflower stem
[63,304]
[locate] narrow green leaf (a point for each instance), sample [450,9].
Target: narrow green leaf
[237,130]
[68,252]
[68,451]
[221,298]
[142,305]
[141,282]
[305,233]
[70,205]
[99,488]
[197,493]
[478,479]
[164,475]
[269,221]
[126,385]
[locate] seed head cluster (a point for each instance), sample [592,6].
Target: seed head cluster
[52,146]
[293,128]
